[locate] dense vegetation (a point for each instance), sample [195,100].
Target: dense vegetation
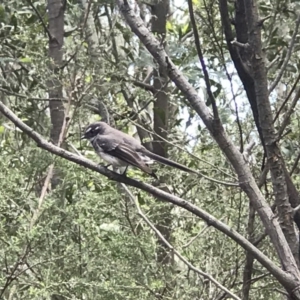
[222,100]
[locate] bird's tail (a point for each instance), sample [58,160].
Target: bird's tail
[168,162]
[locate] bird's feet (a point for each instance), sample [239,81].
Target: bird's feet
[124,173]
[104,166]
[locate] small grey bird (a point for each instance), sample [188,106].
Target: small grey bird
[121,150]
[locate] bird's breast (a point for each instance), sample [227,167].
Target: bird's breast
[112,160]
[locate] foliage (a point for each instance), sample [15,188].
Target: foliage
[88,241]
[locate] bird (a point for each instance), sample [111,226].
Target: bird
[122,150]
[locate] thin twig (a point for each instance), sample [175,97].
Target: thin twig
[185,261]
[86,15]
[271,64]
[240,45]
[287,98]
[295,164]
[248,268]
[288,114]
[41,19]
[49,176]
[282,292]
[12,276]
[145,86]
[201,59]
[220,47]
[194,238]
[287,57]
[29,97]
[261,21]
[238,120]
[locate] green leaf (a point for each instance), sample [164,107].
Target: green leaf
[25,60]
[169,26]
[88,79]
[186,28]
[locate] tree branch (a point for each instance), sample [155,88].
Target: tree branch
[37,212]
[201,59]
[238,52]
[277,168]
[248,268]
[217,131]
[170,247]
[287,98]
[288,114]
[283,277]
[145,86]
[287,56]
[41,19]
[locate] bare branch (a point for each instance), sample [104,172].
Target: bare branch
[145,86]
[50,173]
[288,114]
[285,278]
[41,19]
[194,238]
[248,268]
[185,261]
[295,164]
[272,63]
[275,159]
[287,98]
[201,59]
[261,21]
[238,119]
[241,45]
[217,131]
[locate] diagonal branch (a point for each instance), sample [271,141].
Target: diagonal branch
[283,277]
[288,114]
[184,260]
[41,19]
[239,54]
[50,173]
[216,129]
[201,59]
[287,98]
[275,160]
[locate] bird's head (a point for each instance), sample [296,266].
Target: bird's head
[93,130]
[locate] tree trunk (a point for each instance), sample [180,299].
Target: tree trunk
[161,117]
[56,40]
[56,10]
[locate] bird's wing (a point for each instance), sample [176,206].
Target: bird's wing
[123,152]
[130,156]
